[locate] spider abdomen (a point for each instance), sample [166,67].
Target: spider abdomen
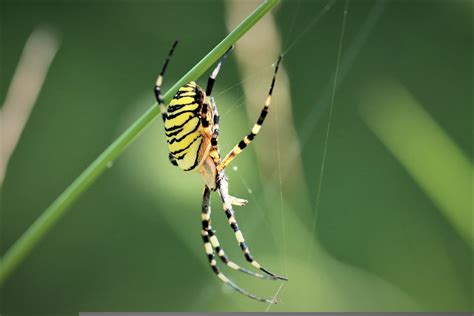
[183,126]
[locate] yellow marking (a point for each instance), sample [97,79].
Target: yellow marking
[178,120]
[186,89]
[159,80]
[181,101]
[233,265]
[214,241]
[227,206]
[268,100]
[223,278]
[213,262]
[205,216]
[208,248]
[220,253]
[246,140]
[190,155]
[190,107]
[256,264]
[188,94]
[187,128]
[231,220]
[238,235]
[256,129]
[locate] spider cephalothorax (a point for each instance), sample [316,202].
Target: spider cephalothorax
[192,129]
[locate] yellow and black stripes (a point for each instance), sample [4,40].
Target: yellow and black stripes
[212,246]
[159,81]
[256,128]
[223,188]
[183,126]
[214,152]
[159,96]
[221,276]
[191,124]
[206,225]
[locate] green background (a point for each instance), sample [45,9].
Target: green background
[132,241]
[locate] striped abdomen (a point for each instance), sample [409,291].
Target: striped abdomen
[183,126]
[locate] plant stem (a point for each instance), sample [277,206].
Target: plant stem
[24,245]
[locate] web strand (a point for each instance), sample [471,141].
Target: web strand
[328,129]
[310,25]
[282,211]
[323,164]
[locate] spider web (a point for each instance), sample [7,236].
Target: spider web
[343,64]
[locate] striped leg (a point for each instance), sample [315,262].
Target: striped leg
[215,125]
[256,128]
[210,85]
[206,225]
[212,261]
[223,188]
[159,96]
[159,81]
[215,153]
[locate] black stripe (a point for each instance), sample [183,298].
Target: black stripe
[242,144]
[205,224]
[172,160]
[210,84]
[234,226]
[181,125]
[273,84]
[228,213]
[248,256]
[196,160]
[174,133]
[262,116]
[243,245]
[174,115]
[250,136]
[174,108]
[178,130]
[184,155]
[174,140]
[205,122]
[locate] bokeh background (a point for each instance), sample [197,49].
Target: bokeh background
[386,228]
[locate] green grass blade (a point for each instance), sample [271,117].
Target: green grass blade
[23,246]
[425,150]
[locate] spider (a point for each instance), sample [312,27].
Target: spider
[191,124]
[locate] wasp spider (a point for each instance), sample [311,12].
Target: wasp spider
[192,129]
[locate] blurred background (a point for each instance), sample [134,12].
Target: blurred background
[374,215]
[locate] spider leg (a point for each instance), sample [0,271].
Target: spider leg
[205,120]
[221,276]
[159,96]
[223,188]
[206,225]
[159,81]
[215,153]
[256,128]
[212,261]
